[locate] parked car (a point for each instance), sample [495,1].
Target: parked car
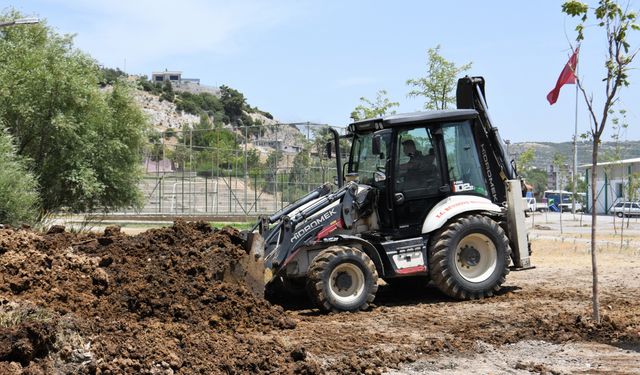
[627,209]
[530,204]
[566,207]
[543,206]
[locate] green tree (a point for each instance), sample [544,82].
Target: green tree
[224,143]
[167,92]
[233,102]
[84,145]
[117,156]
[200,103]
[179,155]
[533,176]
[110,76]
[441,80]
[202,134]
[271,168]
[538,179]
[253,159]
[301,164]
[18,186]
[525,159]
[558,162]
[379,107]
[154,146]
[616,22]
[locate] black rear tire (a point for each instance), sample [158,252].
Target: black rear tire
[342,278]
[469,257]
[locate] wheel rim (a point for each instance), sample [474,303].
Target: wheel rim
[346,283]
[619,214]
[476,257]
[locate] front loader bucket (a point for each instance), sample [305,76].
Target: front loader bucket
[249,270]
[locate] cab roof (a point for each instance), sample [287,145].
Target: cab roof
[407,119]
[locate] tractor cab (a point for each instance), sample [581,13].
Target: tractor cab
[414,162]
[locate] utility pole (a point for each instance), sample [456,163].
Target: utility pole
[190,163]
[246,172]
[575,156]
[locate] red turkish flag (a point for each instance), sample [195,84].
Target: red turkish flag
[566,77]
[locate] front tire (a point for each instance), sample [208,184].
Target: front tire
[619,214]
[469,258]
[342,278]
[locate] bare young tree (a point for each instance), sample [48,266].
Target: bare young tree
[381,106]
[616,22]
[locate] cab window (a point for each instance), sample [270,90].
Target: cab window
[364,161]
[465,171]
[416,163]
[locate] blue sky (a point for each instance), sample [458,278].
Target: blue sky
[313,60]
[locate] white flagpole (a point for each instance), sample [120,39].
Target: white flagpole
[575,145]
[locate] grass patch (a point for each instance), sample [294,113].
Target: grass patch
[239,226]
[13,314]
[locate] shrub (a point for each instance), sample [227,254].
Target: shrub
[18,187]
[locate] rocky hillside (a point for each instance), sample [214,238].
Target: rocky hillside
[546,150]
[164,115]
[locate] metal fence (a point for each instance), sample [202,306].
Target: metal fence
[256,175]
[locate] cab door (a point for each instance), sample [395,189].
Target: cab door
[417,178]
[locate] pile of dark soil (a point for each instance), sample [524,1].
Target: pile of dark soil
[153,303]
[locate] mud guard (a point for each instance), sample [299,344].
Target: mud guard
[453,206]
[367,247]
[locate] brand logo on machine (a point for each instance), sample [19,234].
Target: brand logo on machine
[487,167]
[314,224]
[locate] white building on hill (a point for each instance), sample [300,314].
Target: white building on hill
[617,181]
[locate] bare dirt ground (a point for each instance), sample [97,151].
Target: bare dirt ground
[540,323]
[154,303]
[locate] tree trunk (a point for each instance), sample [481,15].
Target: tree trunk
[594,265]
[622,224]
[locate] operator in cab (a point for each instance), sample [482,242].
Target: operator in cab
[415,157]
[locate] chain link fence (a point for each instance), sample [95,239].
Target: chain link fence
[253,172]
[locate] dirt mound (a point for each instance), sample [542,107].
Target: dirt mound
[26,341]
[151,303]
[156,303]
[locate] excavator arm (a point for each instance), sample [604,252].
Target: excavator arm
[505,186]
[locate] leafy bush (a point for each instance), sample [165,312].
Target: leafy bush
[201,103]
[110,76]
[18,186]
[167,92]
[148,86]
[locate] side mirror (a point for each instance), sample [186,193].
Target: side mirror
[379,176]
[328,149]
